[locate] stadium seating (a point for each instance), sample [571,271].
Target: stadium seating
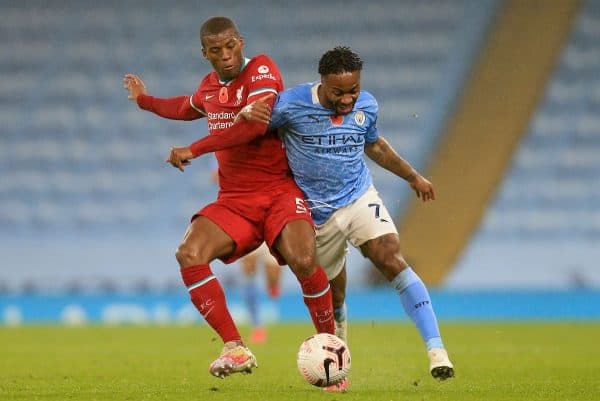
[80,164]
[546,214]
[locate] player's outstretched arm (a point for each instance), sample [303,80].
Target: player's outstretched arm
[385,156]
[173,108]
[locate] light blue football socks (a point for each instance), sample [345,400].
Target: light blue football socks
[417,305]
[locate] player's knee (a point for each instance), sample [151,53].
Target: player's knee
[390,264]
[302,265]
[188,255]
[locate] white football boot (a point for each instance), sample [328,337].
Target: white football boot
[439,364]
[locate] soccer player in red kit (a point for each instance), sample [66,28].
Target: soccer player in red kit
[258,198]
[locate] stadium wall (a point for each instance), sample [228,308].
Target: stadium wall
[492,115]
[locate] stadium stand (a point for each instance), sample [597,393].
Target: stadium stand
[544,225]
[85,194]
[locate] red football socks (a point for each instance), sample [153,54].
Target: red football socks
[317,296]
[208,297]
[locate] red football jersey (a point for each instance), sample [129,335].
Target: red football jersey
[260,163]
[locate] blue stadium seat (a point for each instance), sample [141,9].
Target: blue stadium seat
[82,161]
[547,208]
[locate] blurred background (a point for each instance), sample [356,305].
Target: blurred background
[498,102]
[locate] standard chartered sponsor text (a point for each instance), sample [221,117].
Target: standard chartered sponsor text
[219,125]
[222,115]
[220,120]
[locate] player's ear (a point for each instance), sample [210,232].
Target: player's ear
[242,42]
[204,53]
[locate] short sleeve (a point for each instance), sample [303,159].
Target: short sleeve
[371,109]
[279,114]
[263,78]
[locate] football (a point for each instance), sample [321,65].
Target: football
[323,360]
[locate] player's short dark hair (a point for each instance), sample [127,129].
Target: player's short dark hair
[216,25]
[338,60]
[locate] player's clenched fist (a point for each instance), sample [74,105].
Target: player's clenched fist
[179,157]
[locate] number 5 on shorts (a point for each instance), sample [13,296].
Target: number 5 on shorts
[301,206]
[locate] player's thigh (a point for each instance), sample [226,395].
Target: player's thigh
[288,227]
[203,242]
[332,248]
[245,235]
[367,219]
[296,245]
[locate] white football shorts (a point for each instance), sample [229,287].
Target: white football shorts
[362,220]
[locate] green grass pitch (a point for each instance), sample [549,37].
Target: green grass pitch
[493,361]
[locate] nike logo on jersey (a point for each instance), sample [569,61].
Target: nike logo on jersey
[208,97]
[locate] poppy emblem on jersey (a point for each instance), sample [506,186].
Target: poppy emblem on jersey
[223,95]
[359,117]
[336,119]
[263,69]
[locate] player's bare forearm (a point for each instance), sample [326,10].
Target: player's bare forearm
[385,156]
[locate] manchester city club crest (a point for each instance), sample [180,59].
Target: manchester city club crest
[359,117]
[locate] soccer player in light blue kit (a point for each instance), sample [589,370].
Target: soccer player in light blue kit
[326,127]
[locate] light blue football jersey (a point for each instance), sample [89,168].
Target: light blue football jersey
[326,154]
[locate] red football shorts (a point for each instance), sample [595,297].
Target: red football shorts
[251,218]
